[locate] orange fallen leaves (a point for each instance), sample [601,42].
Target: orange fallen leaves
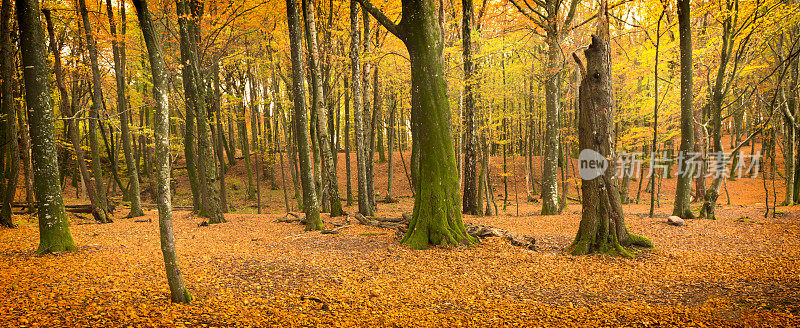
[247,273]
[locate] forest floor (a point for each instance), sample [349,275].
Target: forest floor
[741,270]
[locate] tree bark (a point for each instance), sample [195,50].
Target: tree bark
[390,131]
[54,235]
[347,142]
[684,184]
[367,109]
[220,140]
[469,201]
[552,105]
[364,206]
[602,228]
[436,218]
[301,127]
[318,106]
[177,287]
[10,149]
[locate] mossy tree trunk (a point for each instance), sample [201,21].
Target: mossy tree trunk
[301,127]
[54,235]
[196,102]
[177,287]
[436,218]
[100,202]
[684,187]
[602,228]
[118,49]
[10,148]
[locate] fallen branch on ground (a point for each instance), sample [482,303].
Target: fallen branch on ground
[484,231]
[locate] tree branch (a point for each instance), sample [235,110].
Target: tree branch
[381,18]
[622,2]
[527,14]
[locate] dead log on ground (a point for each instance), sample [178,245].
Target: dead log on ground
[483,231]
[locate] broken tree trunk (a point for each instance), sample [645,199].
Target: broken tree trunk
[602,228]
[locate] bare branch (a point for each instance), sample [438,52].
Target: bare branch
[381,18]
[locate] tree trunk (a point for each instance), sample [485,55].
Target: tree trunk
[367,108]
[318,106]
[789,97]
[178,291]
[196,103]
[248,146]
[231,150]
[54,235]
[602,228]
[347,142]
[717,95]
[436,218]
[469,201]
[122,110]
[794,106]
[10,148]
[655,110]
[220,141]
[313,220]
[244,143]
[684,184]
[390,147]
[372,125]
[364,206]
[97,103]
[27,162]
[66,109]
[552,104]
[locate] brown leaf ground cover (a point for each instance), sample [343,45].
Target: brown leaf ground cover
[740,270]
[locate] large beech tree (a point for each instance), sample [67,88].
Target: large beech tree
[436,218]
[177,287]
[54,235]
[602,228]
